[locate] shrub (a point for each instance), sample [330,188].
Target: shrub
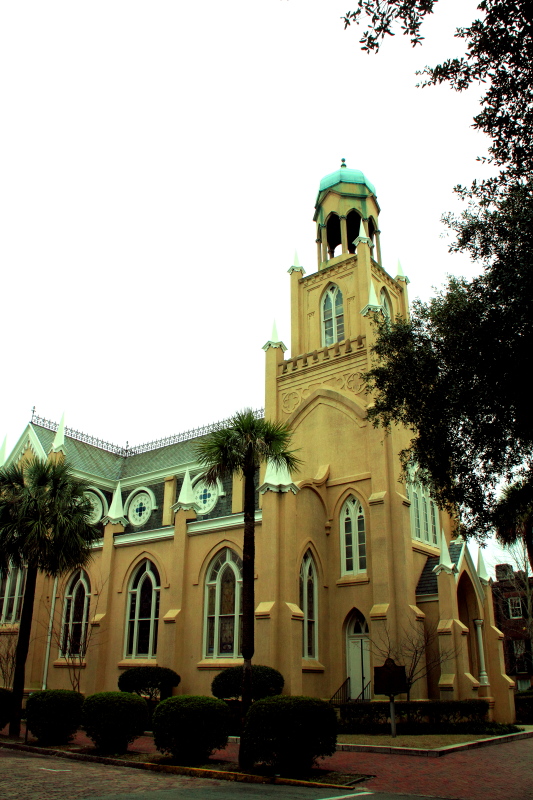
[54,715]
[289,733]
[266,682]
[152,682]
[372,717]
[524,707]
[114,719]
[6,704]
[191,727]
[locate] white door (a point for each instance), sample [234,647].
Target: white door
[358,664]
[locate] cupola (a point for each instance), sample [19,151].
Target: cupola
[345,198]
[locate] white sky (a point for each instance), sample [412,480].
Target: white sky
[159,163]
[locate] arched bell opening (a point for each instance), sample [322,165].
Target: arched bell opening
[333,230]
[358,656]
[353,223]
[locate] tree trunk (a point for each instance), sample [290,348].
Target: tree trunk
[21,653]
[248,604]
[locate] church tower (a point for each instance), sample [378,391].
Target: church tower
[353,521]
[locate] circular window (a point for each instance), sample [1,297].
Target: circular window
[206,497]
[140,509]
[97,506]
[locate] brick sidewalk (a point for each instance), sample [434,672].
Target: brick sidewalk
[501,772]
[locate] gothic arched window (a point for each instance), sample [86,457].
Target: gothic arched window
[332,316]
[353,537]
[143,611]
[223,606]
[424,513]
[385,305]
[308,604]
[12,583]
[76,615]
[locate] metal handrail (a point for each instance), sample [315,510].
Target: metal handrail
[342,695]
[364,695]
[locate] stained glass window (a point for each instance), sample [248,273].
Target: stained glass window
[143,613]
[223,606]
[76,615]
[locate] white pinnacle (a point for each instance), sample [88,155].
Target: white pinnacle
[116,511]
[481,569]
[3,452]
[59,439]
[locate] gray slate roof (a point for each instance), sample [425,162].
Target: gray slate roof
[427,583]
[103,464]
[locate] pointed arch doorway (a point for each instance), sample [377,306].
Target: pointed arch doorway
[358,656]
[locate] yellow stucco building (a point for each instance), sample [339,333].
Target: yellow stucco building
[347,557]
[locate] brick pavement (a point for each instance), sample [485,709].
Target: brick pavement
[44,778]
[500,772]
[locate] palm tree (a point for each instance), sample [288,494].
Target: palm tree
[44,527]
[241,448]
[513,516]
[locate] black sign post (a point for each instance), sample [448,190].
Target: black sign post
[390,679]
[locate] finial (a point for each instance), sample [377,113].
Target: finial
[274,332]
[3,452]
[343,163]
[296,260]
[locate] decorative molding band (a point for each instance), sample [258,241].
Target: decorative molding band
[220,523]
[157,535]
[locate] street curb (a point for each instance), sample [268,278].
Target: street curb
[191,771]
[437,753]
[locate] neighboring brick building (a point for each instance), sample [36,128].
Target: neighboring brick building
[512,594]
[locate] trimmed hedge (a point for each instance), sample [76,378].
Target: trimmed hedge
[153,682]
[288,733]
[190,727]
[370,717]
[114,719]
[524,707]
[266,682]
[6,705]
[54,715]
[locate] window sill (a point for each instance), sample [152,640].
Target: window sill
[7,628]
[219,663]
[137,662]
[311,665]
[425,547]
[63,663]
[352,580]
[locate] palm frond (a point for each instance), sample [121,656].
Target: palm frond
[245,443]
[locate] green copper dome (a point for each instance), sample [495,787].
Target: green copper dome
[345,175]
